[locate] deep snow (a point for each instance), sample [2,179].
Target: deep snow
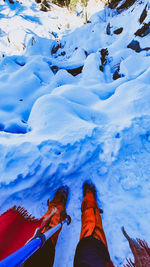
[58,128]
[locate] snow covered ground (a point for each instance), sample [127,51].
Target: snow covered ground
[65,117]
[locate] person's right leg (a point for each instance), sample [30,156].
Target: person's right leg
[92,249]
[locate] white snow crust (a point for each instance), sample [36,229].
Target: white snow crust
[57,128]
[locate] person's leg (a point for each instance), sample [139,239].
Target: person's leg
[91,218]
[92,249]
[55,214]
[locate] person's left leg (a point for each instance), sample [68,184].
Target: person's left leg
[55,214]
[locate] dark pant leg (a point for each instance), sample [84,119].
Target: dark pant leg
[43,256]
[91,252]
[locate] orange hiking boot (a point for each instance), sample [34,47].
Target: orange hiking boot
[91,218]
[92,249]
[56,212]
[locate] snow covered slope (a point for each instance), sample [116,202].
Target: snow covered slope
[77,109]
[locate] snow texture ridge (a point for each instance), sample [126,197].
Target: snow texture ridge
[77,108]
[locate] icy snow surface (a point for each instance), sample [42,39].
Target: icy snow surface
[63,120]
